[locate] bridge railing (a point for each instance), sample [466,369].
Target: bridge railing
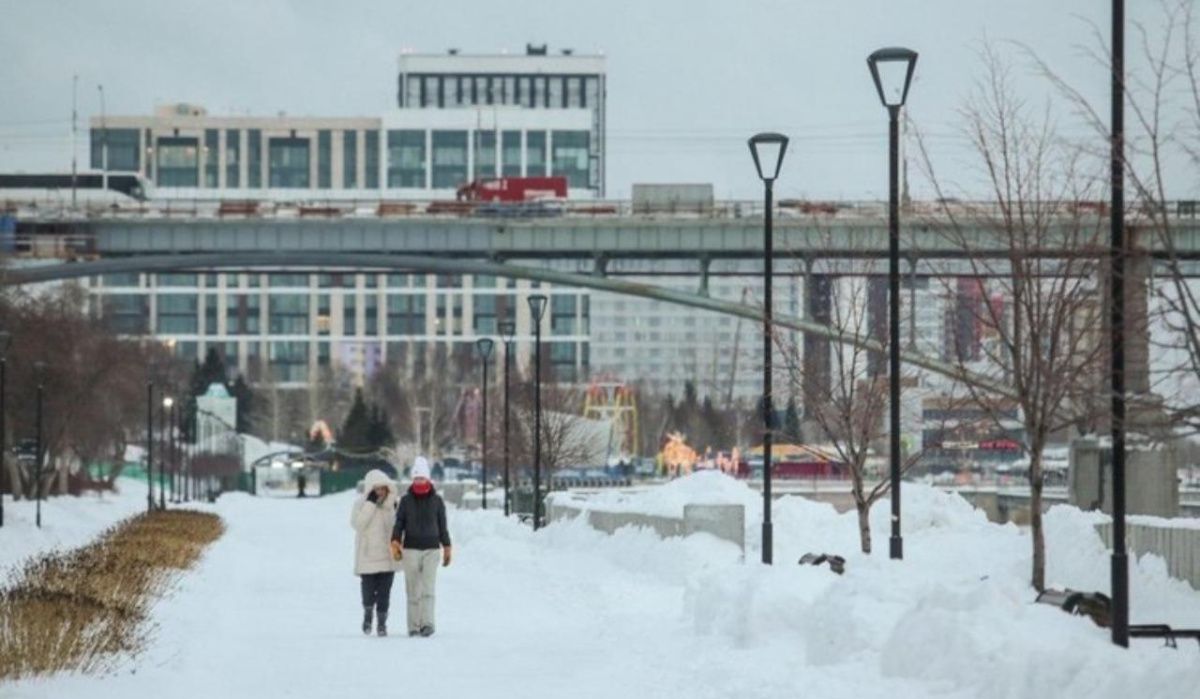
[388,208]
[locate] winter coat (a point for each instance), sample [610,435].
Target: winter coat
[421,521]
[372,522]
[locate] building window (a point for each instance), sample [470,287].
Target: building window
[178,162]
[371,315]
[371,159]
[556,96]
[449,159]
[484,321]
[562,314]
[349,316]
[485,154]
[254,159]
[350,159]
[210,314]
[406,159]
[287,162]
[123,149]
[242,314]
[289,361]
[122,279]
[288,314]
[177,314]
[406,314]
[288,280]
[127,314]
[233,142]
[535,153]
[510,152]
[324,159]
[178,279]
[212,147]
[575,92]
[571,157]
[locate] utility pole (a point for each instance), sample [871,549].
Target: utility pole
[74,131]
[103,143]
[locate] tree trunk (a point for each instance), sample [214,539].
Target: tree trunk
[1035,519]
[864,525]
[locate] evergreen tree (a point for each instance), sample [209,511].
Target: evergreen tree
[714,426]
[354,434]
[245,404]
[379,432]
[791,422]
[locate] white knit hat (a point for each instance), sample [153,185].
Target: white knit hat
[420,468]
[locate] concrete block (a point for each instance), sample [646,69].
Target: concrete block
[726,522]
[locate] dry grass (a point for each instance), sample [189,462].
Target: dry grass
[81,609]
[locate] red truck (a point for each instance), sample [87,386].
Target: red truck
[514,189]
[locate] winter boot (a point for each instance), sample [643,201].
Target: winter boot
[366,625]
[427,631]
[381,629]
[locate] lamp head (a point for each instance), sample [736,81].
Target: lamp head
[892,70]
[767,149]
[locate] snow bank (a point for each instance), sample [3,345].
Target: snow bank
[67,521]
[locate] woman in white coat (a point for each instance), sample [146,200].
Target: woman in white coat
[373,517]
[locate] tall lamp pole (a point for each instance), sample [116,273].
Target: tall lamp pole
[484,345]
[895,67]
[5,341]
[767,149]
[39,371]
[507,330]
[1120,560]
[167,402]
[537,307]
[149,446]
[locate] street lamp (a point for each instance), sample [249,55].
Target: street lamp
[173,441]
[896,66]
[767,149]
[484,345]
[507,330]
[537,307]
[167,402]
[1120,560]
[5,341]
[149,446]
[39,371]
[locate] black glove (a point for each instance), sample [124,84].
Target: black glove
[372,496]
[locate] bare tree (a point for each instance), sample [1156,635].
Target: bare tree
[1040,299]
[849,410]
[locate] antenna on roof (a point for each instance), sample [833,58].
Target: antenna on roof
[532,50]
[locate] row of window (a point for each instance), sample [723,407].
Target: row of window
[345,280]
[415,158]
[531,91]
[289,314]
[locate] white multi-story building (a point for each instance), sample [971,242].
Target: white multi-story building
[286,326]
[459,118]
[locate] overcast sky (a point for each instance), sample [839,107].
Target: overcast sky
[688,80]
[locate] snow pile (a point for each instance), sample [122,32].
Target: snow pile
[569,611]
[67,522]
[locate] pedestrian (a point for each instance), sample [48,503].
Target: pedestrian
[373,517]
[418,537]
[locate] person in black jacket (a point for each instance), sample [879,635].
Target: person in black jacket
[418,537]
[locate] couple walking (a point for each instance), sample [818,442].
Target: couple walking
[393,531]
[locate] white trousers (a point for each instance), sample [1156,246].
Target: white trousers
[420,579]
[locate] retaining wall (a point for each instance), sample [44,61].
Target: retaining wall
[725,522]
[1180,547]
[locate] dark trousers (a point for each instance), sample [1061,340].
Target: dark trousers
[377,590]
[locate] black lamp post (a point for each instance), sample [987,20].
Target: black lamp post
[507,330]
[39,371]
[167,402]
[1120,561]
[149,446]
[484,345]
[537,307]
[172,441]
[897,66]
[767,149]
[5,341]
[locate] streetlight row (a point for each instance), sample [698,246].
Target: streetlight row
[484,345]
[894,66]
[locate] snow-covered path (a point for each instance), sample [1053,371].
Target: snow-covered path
[272,611]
